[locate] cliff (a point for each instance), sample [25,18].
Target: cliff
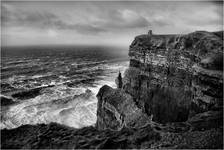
[171,79]
[171,97]
[174,76]
[116,109]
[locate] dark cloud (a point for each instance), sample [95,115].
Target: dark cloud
[43,20]
[202,22]
[81,28]
[123,19]
[15,17]
[219,8]
[114,20]
[160,23]
[66,21]
[86,29]
[217,2]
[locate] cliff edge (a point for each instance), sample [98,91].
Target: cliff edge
[171,96]
[176,76]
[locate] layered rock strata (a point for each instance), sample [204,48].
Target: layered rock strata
[172,77]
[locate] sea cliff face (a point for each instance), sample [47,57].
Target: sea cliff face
[172,77]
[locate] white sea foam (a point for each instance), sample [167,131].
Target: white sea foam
[75,107]
[69,106]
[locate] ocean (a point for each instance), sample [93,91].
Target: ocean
[56,83]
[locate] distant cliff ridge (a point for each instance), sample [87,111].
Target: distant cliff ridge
[171,96]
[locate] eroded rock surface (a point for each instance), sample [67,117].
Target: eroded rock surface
[55,136]
[173,77]
[116,109]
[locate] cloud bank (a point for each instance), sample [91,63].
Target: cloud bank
[28,23]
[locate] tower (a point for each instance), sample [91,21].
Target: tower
[150,32]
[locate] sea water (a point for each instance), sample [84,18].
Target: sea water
[71,77]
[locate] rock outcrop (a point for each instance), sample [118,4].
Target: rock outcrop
[56,136]
[116,109]
[170,78]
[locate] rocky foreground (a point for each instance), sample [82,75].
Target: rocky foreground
[171,97]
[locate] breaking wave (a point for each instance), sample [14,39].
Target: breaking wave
[58,89]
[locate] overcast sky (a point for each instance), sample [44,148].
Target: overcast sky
[102,23]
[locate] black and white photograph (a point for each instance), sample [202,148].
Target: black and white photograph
[111,74]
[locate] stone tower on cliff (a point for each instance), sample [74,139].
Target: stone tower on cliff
[150,32]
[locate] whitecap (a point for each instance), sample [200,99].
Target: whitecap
[57,104]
